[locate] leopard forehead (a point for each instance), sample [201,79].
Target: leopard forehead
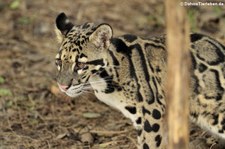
[74,41]
[78,35]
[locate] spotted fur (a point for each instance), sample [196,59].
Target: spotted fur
[128,73]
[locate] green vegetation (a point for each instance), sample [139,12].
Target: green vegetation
[14,4]
[5,92]
[192,16]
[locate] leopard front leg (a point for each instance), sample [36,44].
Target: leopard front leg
[151,134]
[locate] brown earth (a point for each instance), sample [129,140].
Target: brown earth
[33,113]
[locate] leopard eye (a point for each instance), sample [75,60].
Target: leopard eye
[79,66]
[58,62]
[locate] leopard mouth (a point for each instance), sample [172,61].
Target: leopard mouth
[76,90]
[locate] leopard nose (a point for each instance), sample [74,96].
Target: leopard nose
[63,87]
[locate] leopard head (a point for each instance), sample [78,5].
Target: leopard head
[82,54]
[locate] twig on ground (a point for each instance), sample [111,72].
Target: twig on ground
[108,133]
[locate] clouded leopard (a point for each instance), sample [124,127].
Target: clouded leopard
[128,73]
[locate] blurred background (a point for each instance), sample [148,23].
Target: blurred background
[33,113]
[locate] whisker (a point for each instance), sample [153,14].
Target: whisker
[88,88]
[87,92]
[108,84]
[104,80]
[100,81]
[114,66]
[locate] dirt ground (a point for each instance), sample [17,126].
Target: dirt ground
[33,114]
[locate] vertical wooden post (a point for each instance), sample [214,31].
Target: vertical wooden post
[177,89]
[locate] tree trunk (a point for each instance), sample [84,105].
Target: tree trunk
[177,88]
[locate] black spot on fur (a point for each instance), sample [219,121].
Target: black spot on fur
[77,42]
[139,96]
[215,119]
[96,62]
[104,74]
[121,47]
[144,111]
[148,128]
[82,55]
[158,140]
[194,115]
[109,90]
[85,26]
[221,131]
[119,88]
[139,131]
[202,68]
[108,79]
[132,110]
[138,121]
[159,98]
[130,38]
[155,127]
[145,146]
[89,33]
[150,101]
[196,37]
[85,68]
[156,114]
[223,122]
[158,70]
[115,61]
[93,71]
[65,43]
[206,113]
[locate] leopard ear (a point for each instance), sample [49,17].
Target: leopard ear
[59,35]
[101,36]
[63,24]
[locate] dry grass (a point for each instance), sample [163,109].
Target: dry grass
[32,112]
